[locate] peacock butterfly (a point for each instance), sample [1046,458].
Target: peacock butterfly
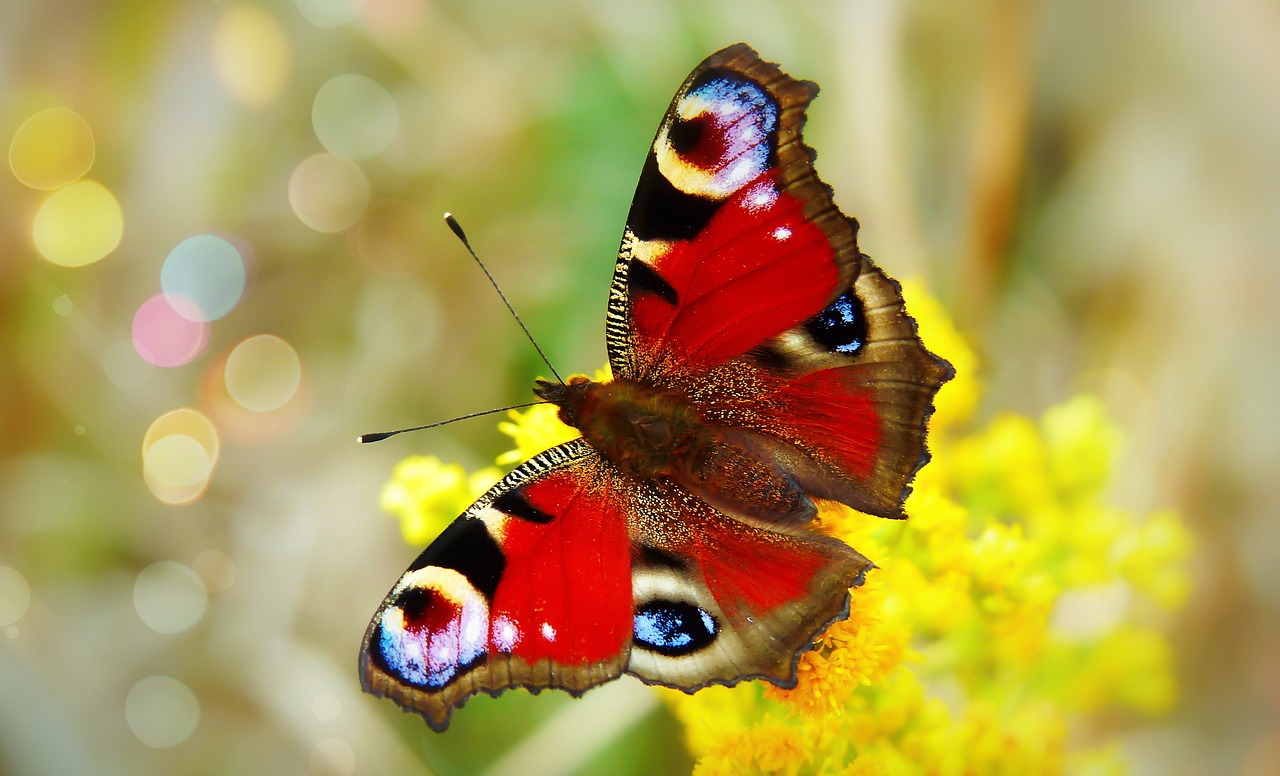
[760,362]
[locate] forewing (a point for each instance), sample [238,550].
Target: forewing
[731,238]
[529,587]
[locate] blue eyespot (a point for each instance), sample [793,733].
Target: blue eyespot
[673,627]
[428,638]
[737,97]
[841,327]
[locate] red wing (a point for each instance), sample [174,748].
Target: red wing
[721,600]
[851,389]
[740,283]
[757,268]
[731,238]
[530,587]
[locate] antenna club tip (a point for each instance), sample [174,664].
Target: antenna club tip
[456,228]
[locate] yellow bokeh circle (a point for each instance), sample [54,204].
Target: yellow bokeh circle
[78,225]
[263,373]
[251,55]
[327,193]
[179,453]
[51,149]
[178,461]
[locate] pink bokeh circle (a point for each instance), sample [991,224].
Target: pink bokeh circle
[164,337]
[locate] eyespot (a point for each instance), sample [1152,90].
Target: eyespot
[436,628]
[673,627]
[686,135]
[842,326]
[719,138]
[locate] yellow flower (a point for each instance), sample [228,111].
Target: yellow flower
[958,398]
[1130,667]
[1001,470]
[534,430]
[426,495]
[879,760]
[714,710]
[1080,445]
[1154,559]
[768,747]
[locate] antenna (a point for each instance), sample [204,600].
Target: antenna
[366,439]
[457,230]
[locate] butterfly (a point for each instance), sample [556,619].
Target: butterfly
[760,365]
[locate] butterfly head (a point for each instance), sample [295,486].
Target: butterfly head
[569,397]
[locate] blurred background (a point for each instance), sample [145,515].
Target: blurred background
[221,259]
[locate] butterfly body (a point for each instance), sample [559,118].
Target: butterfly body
[761,365]
[650,433]
[641,429]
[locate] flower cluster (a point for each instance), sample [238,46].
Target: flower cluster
[425,494]
[1005,612]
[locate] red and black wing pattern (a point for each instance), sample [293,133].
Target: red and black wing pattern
[530,587]
[719,600]
[731,238]
[739,285]
[739,282]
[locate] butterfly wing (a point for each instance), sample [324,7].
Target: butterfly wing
[739,282]
[718,600]
[530,587]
